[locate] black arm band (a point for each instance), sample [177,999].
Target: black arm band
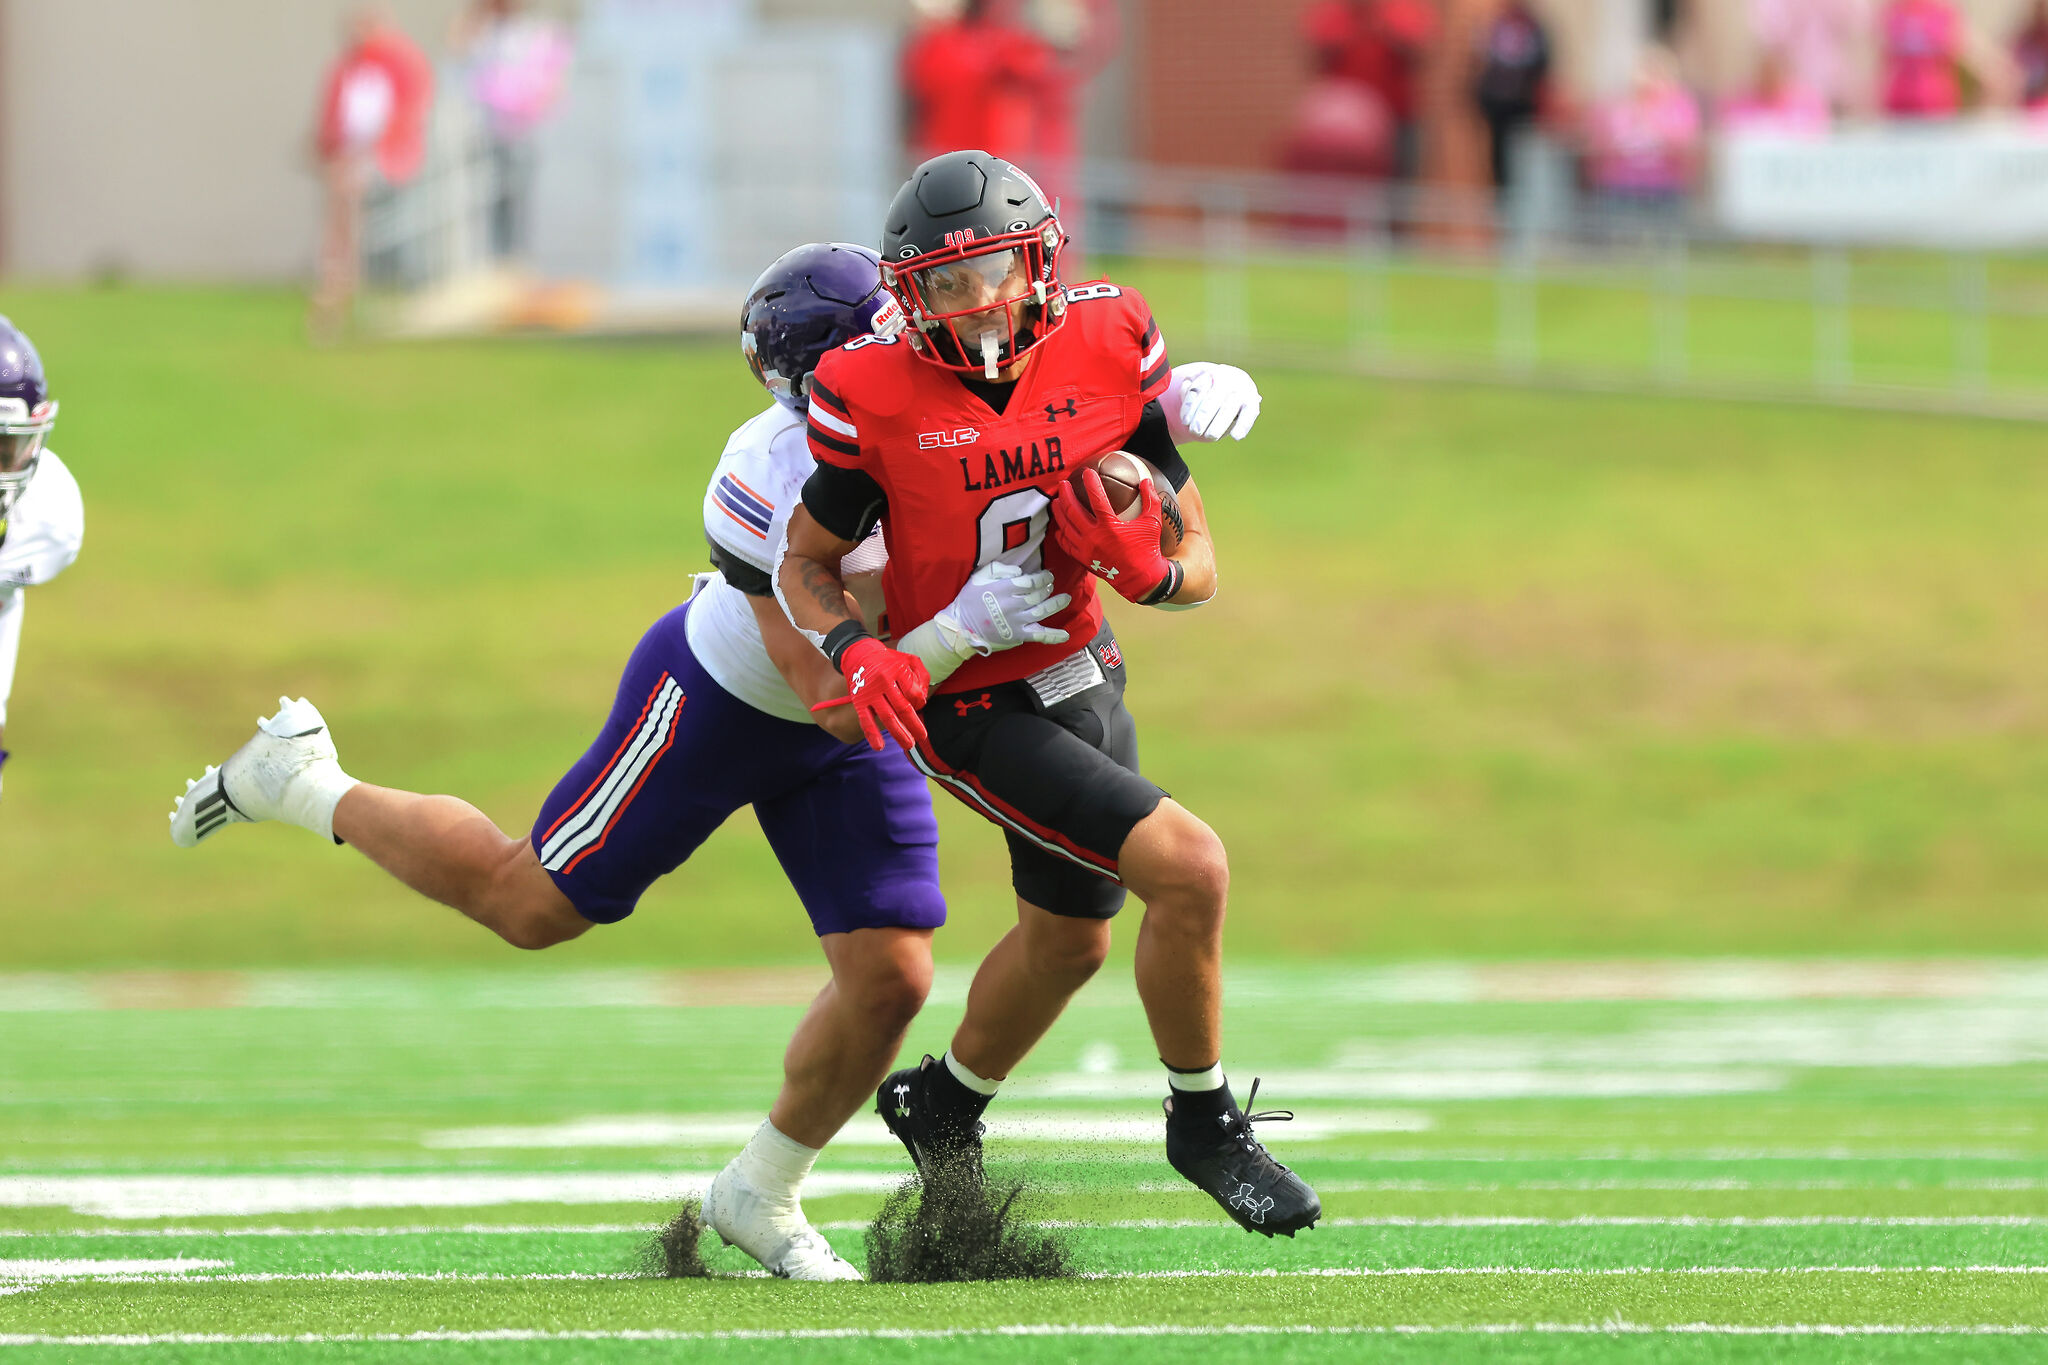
[842,638]
[1168,586]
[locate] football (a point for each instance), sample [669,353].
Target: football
[1122,473]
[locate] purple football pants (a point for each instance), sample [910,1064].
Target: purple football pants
[853,828]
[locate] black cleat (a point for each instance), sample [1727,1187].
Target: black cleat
[937,1119]
[1225,1162]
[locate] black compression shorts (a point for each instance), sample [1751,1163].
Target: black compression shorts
[1054,761]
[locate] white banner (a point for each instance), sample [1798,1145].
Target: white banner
[1966,184]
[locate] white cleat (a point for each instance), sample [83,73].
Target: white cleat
[775,1234]
[289,771]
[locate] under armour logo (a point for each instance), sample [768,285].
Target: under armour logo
[903,1102]
[859,675]
[963,707]
[1054,411]
[1102,569]
[1247,1200]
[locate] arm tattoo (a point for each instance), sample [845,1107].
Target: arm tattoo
[825,587]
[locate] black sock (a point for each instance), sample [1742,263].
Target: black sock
[949,1097]
[1201,1108]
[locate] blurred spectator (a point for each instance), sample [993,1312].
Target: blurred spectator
[1921,49]
[515,64]
[1814,39]
[1380,44]
[1776,103]
[974,76]
[2030,58]
[1340,128]
[1512,66]
[1081,37]
[373,115]
[1643,146]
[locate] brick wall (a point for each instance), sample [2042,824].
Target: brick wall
[1216,80]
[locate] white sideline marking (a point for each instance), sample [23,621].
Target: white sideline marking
[75,1270]
[1053,1329]
[1395,1272]
[1891,1033]
[1429,1083]
[383,1230]
[1990,1220]
[1709,981]
[188,1196]
[1304,1273]
[683,1130]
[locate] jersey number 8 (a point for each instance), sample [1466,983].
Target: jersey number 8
[1012,529]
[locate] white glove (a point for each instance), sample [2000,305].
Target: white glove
[1000,608]
[1206,402]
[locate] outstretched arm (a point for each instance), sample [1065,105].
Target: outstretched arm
[1206,402]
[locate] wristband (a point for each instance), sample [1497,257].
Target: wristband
[1168,586]
[842,638]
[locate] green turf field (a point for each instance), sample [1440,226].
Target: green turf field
[1704,1161]
[1497,672]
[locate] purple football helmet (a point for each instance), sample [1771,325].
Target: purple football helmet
[812,299]
[26,413]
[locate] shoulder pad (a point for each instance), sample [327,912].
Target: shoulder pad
[872,375]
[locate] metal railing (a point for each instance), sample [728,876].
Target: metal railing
[1428,282]
[1549,288]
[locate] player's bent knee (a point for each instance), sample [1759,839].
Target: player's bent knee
[887,973]
[1173,857]
[532,929]
[1069,950]
[531,911]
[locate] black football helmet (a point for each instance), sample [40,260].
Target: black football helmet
[26,413]
[971,251]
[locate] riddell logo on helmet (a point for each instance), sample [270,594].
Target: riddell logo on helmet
[960,238]
[939,440]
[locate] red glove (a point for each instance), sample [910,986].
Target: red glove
[1126,553]
[887,688]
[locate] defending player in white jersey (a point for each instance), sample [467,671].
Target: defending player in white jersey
[42,516]
[713,713]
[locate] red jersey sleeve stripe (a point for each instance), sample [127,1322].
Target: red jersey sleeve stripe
[1155,380]
[822,440]
[1151,334]
[831,400]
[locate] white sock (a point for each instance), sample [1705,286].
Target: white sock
[968,1078]
[776,1164]
[311,796]
[1212,1079]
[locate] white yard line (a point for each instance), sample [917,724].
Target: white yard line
[1328,1272]
[194,1196]
[19,1270]
[1118,1224]
[191,1196]
[1704,981]
[868,1130]
[1046,1329]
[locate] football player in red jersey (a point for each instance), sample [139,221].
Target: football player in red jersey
[959,437]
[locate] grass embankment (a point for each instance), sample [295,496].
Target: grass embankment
[1492,672]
